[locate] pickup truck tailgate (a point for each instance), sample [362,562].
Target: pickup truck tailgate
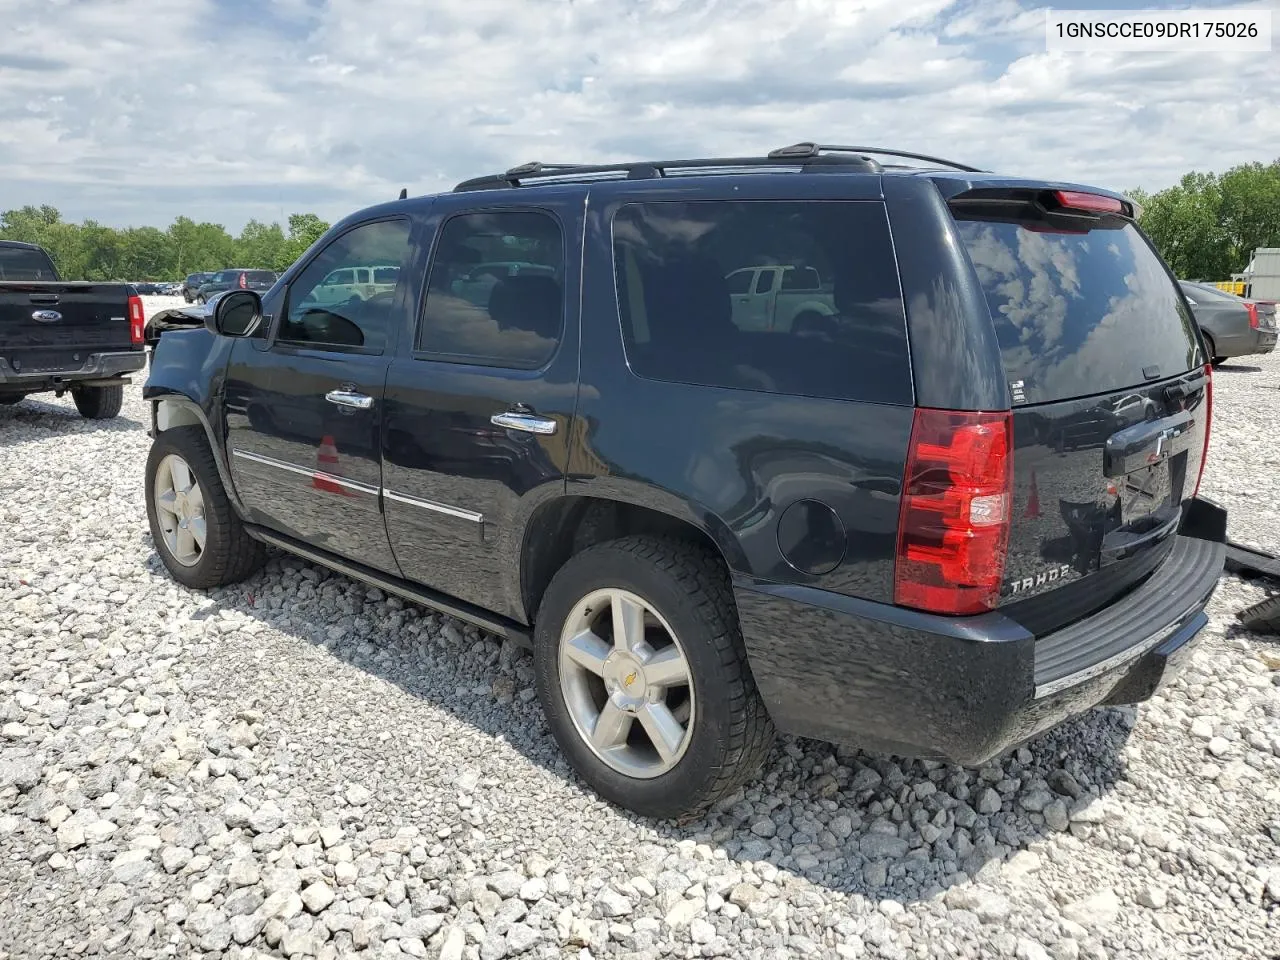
[47,327]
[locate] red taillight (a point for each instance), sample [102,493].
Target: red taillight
[953,526]
[137,320]
[244,283]
[1253,314]
[1208,422]
[1095,203]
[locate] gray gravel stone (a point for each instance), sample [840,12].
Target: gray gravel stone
[300,765]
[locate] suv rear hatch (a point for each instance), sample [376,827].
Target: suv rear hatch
[1109,392]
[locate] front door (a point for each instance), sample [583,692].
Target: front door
[304,410]
[480,401]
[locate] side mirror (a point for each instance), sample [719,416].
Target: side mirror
[237,313]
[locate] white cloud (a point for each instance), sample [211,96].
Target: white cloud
[135,111]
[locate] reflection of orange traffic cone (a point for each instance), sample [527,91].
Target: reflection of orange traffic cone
[1033,501]
[327,462]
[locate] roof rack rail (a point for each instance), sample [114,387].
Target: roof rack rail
[654,169]
[798,151]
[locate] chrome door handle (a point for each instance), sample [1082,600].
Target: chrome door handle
[528,422]
[346,398]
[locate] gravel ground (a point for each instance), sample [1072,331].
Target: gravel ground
[302,766]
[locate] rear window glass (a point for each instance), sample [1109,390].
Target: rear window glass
[677,264]
[18,263]
[1079,313]
[261,276]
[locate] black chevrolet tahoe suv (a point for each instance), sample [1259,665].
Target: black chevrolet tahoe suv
[946,504]
[57,336]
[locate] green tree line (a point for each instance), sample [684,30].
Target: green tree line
[1208,225]
[91,251]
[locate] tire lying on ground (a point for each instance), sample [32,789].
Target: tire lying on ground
[1263,617]
[98,403]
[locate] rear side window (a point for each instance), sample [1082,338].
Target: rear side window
[1079,313]
[19,263]
[843,338]
[504,312]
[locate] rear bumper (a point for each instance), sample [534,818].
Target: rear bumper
[1253,341]
[965,689]
[97,366]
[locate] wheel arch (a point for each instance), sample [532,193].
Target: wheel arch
[560,528]
[171,410]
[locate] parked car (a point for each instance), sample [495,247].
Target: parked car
[191,285]
[1231,326]
[237,278]
[57,336]
[705,528]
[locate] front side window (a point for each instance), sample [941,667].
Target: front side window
[844,337]
[325,308]
[740,281]
[495,290]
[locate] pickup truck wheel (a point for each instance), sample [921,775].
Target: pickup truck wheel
[644,679]
[201,541]
[98,403]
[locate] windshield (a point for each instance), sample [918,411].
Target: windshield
[1079,313]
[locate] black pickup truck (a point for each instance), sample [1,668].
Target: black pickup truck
[57,336]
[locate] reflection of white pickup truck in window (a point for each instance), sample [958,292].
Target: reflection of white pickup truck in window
[355,283]
[779,298]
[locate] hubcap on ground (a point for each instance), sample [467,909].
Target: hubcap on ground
[626,683]
[180,510]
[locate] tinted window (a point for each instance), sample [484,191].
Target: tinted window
[386,274]
[261,276]
[740,282]
[506,313]
[1082,312]
[846,340]
[764,281]
[20,263]
[328,312]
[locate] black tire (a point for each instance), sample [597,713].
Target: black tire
[230,554]
[200,299]
[1214,360]
[732,731]
[1263,617]
[98,403]
[12,398]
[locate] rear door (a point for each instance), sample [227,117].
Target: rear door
[1109,392]
[480,401]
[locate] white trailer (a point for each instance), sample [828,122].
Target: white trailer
[1262,276]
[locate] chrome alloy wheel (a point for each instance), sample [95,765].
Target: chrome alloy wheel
[626,683]
[180,510]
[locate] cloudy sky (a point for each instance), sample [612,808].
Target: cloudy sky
[136,111]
